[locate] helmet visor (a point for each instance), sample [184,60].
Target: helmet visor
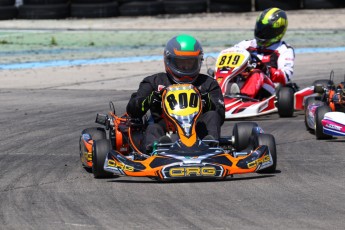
[265,36]
[264,32]
[263,42]
[185,64]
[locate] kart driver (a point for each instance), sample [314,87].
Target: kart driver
[274,53]
[183,56]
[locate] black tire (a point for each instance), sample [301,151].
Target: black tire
[141,8]
[319,114]
[230,6]
[261,5]
[112,138]
[269,140]
[308,101]
[242,133]
[341,3]
[102,10]
[100,150]
[326,83]
[90,1]
[44,2]
[321,4]
[7,2]
[233,2]
[8,12]
[43,11]
[185,6]
[285,102]
[96,133]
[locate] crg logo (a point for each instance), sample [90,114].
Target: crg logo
[120,165]
[192,171]
[257,162]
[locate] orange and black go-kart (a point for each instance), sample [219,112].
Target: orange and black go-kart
[328,99]
[120,152]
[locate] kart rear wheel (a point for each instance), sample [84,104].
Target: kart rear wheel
[269,140]
[285,102]
[242,133]
[100,150]
[319,114]
[324,82]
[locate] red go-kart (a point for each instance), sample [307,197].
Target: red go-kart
[234,65]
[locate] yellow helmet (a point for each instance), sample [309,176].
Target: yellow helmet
[270,26]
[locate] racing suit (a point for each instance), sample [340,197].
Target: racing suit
[209,122]
[279,58]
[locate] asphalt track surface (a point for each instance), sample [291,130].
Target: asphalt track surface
[43,186]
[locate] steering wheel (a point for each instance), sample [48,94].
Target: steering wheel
[259,64]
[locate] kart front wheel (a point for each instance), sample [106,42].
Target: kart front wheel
[308,101]
[269,140]
[319,114]
[285,102]
[96,133]
[242,133]
[100,150]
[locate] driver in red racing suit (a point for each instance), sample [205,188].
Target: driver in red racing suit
[275,54]
[183,56]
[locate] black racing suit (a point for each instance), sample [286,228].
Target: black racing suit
[209,123]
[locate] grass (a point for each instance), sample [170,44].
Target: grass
[62,45]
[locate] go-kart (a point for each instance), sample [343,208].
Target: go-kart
[121,151]
[325,109]
[234,65]
[333,124]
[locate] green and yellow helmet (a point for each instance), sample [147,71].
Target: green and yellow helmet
[183,56]
[270,26]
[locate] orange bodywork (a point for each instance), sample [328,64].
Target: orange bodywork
[119,143]
[87,153]
[130,170]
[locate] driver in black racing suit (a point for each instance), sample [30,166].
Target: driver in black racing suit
[183,56]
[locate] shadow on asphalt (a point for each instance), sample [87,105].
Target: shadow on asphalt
[153,181]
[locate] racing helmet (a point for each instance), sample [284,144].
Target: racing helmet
[270,26]
[183,56]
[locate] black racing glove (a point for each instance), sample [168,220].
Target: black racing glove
[154,98]
[256,63]
[273,60]
[206,101]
